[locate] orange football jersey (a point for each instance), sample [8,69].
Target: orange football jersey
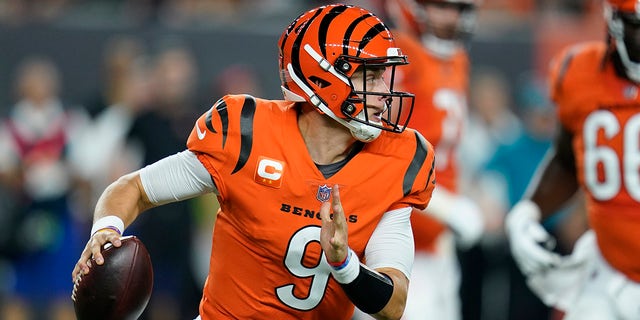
[602,111]
[266,260]
[441,87]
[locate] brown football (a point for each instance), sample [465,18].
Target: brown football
[120,288]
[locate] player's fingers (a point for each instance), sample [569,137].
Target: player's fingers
[76,272]
[325,212]
[538,233]
[336,205]
[95,251]
[99,240]
[335,198]
[536,258]
[81,266]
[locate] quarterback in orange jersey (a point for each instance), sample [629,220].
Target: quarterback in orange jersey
[595,88]
[315,191]
[432,34]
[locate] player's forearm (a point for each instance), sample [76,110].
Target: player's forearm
[372,291]
[124,198]
[556,180]
[556,186]
[395,307]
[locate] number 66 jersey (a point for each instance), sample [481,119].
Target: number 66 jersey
[266,259]
[601,109]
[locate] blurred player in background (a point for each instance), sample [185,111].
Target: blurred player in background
[432,34]
[37,170]
[595,88]
[287,243]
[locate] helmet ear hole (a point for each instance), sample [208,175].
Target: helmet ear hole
[321,83]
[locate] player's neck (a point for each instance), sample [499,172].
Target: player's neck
[327,141]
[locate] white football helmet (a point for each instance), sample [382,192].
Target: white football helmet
[623,21]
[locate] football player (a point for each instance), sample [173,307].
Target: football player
[310,188]
[595,88]
[432,33]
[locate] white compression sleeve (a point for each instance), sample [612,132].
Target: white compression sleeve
[391,244]
[177,177]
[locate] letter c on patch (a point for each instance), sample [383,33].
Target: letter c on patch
[270,169]
[269,172]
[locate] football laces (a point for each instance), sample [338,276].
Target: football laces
[75,286]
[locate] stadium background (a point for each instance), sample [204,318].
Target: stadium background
[513,39]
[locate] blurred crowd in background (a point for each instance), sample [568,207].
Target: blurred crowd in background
[92,89]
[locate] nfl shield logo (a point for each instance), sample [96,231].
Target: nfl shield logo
[324,192]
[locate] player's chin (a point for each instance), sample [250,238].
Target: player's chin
[376,119]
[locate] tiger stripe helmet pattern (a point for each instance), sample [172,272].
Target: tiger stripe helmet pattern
[319,52]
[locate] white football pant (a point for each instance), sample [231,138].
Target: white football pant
[607,294]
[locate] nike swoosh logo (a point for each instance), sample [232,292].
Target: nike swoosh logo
[201,134]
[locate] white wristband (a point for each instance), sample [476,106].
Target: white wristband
[350,271]
[109,222]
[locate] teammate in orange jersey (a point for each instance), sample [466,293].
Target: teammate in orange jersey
[432,34]
[595,88]
[287,243]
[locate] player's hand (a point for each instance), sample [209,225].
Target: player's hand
[333,235]
[92,249]
[466,222]
[461,215]
[530,243]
